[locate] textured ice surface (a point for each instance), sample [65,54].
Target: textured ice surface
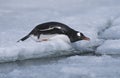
[32,49]
[71,67]
[100,22]
[110,47]
[97,19]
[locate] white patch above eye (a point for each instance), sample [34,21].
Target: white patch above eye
[58,27]
[78,34]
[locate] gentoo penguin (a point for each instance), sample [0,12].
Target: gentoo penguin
[53,28]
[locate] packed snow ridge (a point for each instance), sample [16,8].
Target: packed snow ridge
[32,49]
[100,43]
[100,22]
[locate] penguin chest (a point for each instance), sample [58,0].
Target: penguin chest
[47,36]
[43,36]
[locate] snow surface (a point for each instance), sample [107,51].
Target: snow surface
[100,22]
[97,19]
[71,67]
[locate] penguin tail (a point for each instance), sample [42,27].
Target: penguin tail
[24,38]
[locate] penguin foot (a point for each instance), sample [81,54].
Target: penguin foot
[42,40]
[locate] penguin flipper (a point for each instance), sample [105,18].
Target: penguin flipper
[24,38]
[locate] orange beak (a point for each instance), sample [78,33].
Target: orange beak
[86,38]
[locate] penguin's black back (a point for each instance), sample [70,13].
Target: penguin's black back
[53,24]
[71,33]
[67,30]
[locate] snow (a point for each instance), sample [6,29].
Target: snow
[112,33]
[71,67]
[92,67]
[31,49]
[110,47]
[97,19]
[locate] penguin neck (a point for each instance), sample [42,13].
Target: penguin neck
[73,36]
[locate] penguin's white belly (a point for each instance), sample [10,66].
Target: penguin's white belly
[61,37]
[42,36]
[51,37]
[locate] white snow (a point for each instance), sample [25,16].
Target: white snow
[112,33]
[98,22]
[32,49]
[110,47]
[97,19]
[92,67]
[72,67]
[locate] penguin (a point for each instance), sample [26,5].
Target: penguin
[51,29]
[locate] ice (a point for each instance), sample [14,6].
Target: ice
[110,47]
[92,67]
[97,19]
[32,49]
[71,67]
[112,33]
[98,22]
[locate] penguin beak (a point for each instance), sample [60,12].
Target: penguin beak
[85,38]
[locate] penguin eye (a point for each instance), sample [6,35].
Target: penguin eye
[78,34]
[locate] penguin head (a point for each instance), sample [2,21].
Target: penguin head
[81,36]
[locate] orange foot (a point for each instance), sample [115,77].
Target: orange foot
[42,40]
